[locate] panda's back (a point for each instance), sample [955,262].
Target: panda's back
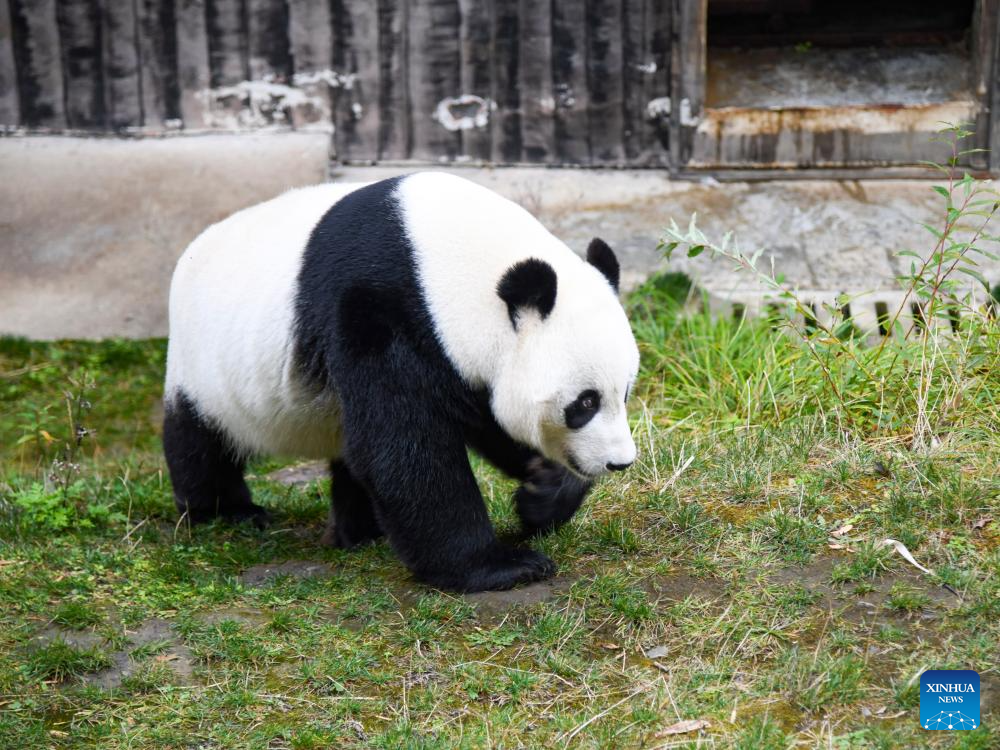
[232,313]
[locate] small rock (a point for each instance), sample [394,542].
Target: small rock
[300,473]
[244,616]
[657,652]
[534,593]
[258,575]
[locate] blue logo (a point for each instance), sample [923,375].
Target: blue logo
[949,699]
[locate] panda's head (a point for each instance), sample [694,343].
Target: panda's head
[564,385]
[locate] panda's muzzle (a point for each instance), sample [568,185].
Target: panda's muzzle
[617,467]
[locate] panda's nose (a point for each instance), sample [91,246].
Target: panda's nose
[618,467]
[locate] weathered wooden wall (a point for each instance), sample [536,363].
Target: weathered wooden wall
[508,81]
[575,82]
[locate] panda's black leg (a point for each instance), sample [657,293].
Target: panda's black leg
[352,518]
[207,478]
[549,497]
[429,505]
[409,453]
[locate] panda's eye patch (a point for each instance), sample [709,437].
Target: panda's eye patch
[583,409]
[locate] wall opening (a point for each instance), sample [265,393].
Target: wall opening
[845,53]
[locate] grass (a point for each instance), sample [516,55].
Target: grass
[713,554]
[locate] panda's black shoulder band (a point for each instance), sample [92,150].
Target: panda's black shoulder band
[530,283]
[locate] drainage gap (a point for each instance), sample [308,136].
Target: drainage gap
[882,314]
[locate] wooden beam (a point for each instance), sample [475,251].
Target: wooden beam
[157,33]
[39,66]
[269,49]
[356,111]
[569,80]
[535,83]
[80,43]
[604,82]
[476,35]
[193,70]
[10,110]
[506,122]
[434,76]
[646,81]
[687,79]
[122,77]
[228,56]
[393,92]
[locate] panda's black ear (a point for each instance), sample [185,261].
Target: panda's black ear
[528,283]
[602,257]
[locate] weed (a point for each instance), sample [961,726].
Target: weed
[59,660]
[906,598]
[76,615]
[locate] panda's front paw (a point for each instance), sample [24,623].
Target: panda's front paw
[495,569]
[549,497]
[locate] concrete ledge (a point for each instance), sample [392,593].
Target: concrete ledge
[90,228]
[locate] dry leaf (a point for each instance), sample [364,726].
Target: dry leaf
[165,657]
[683,727]
[840,546]
[981,522]
[842,530]
[609,646]
[904,553]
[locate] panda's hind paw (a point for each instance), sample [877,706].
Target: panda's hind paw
[251,512]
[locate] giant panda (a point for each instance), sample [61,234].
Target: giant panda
[388,327]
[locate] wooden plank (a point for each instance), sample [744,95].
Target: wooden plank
[393,93]
[687,77]
[310,36]
[193,72]
[604,65]
[10,111]
[228,58]
[434,77]
[987,82]
[80,42]
[269,48]
[477,70]
[506,122]
[355,44]
[646,80]
[37,58]
[122,79]
[569,78]
[535,70]
[310,40]
[158,64]
[984,42]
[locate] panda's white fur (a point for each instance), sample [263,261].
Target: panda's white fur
[232,317]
